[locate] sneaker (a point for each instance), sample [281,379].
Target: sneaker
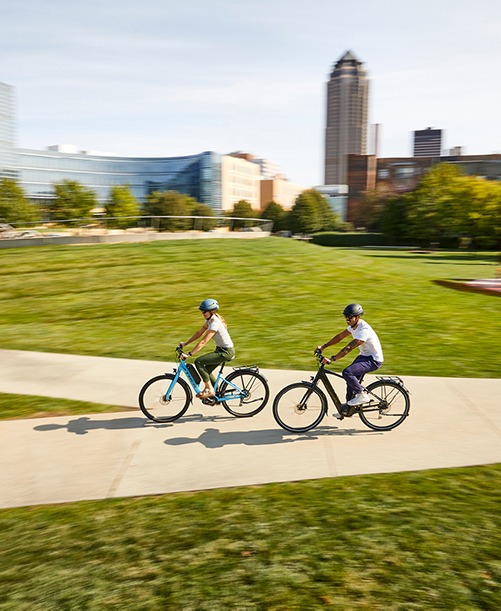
[359,399]
[338,416]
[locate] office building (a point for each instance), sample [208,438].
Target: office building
[7,129]
[280,191]
[427,142]
[347,117]
[198,176]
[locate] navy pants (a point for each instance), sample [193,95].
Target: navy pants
[354,374]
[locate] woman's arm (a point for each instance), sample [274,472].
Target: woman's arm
[209,335]
[194,336]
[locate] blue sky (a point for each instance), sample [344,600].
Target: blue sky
[167,78]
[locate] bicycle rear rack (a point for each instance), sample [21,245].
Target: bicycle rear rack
[251,367]
[394,379]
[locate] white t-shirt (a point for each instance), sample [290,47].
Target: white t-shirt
[222,337]
[372,345]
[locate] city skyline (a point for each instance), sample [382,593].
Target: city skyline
[155,80]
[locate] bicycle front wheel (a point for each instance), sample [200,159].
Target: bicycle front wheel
[160,407]
[389,406]
[299,407]
[250,395]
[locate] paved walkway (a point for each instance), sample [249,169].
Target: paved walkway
[453,422]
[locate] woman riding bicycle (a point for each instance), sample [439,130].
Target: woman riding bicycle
[214,328]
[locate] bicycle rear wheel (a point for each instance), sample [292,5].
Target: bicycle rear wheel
[157,406]
[250,396]
[388,408]
[299,407]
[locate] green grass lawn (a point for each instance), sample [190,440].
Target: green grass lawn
[405,541]
[280,298]
[28,406]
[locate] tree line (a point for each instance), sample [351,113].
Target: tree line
[72,200]
[445,207]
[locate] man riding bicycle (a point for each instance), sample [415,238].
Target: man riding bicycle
[369,359]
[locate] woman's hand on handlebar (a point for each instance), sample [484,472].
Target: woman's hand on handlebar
[182,355]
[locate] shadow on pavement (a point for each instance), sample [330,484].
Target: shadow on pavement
[84,424]
[214,438]
[81,426]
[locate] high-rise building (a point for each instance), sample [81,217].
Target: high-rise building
[427,142]
[347,115]
[6,131]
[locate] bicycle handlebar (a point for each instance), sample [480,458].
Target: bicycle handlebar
[181,353]
[318,353]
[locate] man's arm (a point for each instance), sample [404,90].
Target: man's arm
[344,351]
[335,340]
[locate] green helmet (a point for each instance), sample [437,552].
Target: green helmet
[208,305]
[354,309]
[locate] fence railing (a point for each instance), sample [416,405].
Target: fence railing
[169,223]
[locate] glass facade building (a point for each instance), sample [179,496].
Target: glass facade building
[198,176]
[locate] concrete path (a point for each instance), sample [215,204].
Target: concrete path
[453,422]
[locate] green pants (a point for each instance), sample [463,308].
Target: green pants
[206,363]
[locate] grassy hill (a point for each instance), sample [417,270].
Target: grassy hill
[280,298]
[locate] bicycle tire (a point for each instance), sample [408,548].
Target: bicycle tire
[156,407]
[392,409]
[256,386]
[299,407]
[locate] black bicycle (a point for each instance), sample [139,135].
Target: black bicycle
[301,406]
[244,392]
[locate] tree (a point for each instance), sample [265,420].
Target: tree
[172,204]
[120,205]
[72,201]
[482,219]
[202,210]
[393,222]
[274,212]
[434,210]
[242,210]
[14,206]
[311,213]
[370,209]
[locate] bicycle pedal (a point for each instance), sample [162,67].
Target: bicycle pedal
[209,401]
[347,410]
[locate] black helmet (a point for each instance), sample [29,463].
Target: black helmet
[354,309]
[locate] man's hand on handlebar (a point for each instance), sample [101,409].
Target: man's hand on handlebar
[323,359]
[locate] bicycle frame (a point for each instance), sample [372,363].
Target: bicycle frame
[322,375]
[236,393]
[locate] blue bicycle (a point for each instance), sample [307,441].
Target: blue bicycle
[165,398]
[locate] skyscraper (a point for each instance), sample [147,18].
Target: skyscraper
[6,131]
[427,142]
[347,113]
